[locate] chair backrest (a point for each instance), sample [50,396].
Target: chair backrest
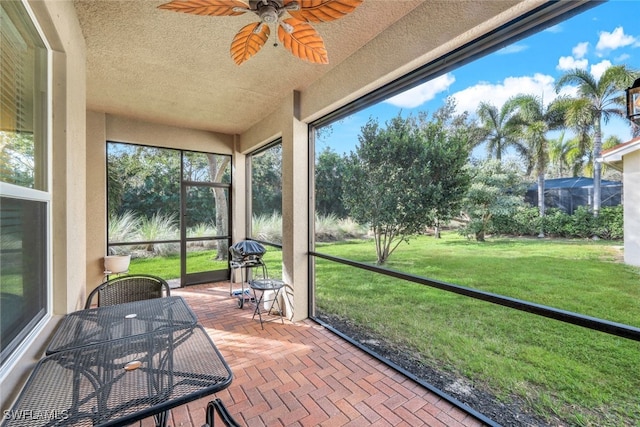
[129,288]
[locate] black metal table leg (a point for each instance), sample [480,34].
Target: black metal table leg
[214,406]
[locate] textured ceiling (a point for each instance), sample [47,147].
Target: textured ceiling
[175,68]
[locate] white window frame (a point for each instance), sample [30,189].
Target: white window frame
[23,193]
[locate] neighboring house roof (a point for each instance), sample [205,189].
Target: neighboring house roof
[573,182]
[613,156]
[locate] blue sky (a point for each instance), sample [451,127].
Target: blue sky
[594,40]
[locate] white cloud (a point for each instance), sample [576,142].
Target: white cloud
[622,58]
[614,40]
[513,48]
[422,93]
[570,63]
[497,94]
[580,50]
[598,69]
[555,29]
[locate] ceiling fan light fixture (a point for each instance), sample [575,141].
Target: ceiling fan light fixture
[295,33]
[287,27]
[294,5]
[258,28]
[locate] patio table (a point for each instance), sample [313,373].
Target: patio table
[96,325]
[121,381]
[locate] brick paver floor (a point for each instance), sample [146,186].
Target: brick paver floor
[300,374]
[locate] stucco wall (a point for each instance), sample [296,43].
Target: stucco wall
[122,129]
[632,208]
[61,28]
[96,197]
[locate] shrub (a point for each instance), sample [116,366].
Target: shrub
[609,224]
[267,228]
[159,227]
[351,229]
[331,228]
[556,223]
[123,227]
[525,221]
[203,229]
[582,224]
[327,229]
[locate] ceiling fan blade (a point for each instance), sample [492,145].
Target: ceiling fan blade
[207,7]
[322,10]
[303,41]
[249,41]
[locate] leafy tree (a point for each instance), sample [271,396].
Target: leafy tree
[145,180]
[496,190]
[17,158]
[597,101]
[460,127]
[266,181]
[206,204]
[402,177]
[329,173]
[115,187]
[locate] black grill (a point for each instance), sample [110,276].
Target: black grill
[247,251]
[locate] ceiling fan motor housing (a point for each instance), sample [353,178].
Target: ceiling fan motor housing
[269,11]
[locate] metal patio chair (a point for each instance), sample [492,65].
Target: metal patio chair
[129,288]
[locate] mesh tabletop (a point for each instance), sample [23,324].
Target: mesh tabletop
[266,284]
[96,325]
[122,381]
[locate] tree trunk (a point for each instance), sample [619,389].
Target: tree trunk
[216,171]
[377,235]
[381,258]
[541,204]
[597,166]
[221,223]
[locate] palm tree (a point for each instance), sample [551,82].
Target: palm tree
[569,153]
[609,142]
[597,101]
[559,149]
[498,126]
[582,161]
[534,121]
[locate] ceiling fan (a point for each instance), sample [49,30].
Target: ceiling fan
[295,33]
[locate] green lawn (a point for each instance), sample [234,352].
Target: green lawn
[580,376]
[168,267]
[562,371]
